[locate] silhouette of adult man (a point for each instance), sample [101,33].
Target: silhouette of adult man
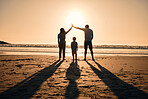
[62,42]
[88,39]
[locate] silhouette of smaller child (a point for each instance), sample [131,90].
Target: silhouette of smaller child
[74,48]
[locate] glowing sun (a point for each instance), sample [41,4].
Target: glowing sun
[75,18]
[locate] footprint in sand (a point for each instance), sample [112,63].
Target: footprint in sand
[19,65]
[56,83]
[12,70]
[64,81]
[24,73]
[121,70]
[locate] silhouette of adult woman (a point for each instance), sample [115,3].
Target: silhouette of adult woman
[62,42]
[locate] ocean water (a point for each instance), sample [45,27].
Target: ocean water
[112,50]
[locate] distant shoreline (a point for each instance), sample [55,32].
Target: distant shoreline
[3,42]
[80,46]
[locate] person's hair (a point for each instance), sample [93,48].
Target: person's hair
[74,38]
[62,30]
[87,26]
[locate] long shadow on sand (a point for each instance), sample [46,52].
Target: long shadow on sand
[120,88]
[72,74]
[26,88]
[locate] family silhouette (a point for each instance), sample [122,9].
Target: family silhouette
[34,85]
[74,45]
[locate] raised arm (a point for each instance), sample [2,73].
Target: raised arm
[79,28]
[69,30]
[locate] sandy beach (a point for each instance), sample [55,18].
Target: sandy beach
[44,76]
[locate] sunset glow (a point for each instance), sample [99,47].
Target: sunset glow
[75,18]
[112,21]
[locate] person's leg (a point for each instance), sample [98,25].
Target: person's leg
[76,55]
[85,47]
[59,53]
[64,47]
[73,55]
[91,47]
[60,49]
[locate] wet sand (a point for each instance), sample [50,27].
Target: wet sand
[31,77]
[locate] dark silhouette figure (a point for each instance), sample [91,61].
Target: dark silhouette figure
[62,42]
[28,87]
[74,48]
[121,89]
[88,40]
[72,74]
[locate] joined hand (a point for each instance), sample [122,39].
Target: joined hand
[72,25]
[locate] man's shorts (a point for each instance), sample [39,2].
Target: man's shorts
[86,43]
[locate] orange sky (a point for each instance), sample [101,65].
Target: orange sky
[39,21]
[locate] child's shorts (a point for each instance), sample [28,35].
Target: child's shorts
[74,52]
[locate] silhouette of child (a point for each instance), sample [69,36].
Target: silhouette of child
[74,47]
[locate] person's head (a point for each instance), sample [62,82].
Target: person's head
[87,26]
[62,30]
[74,38]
